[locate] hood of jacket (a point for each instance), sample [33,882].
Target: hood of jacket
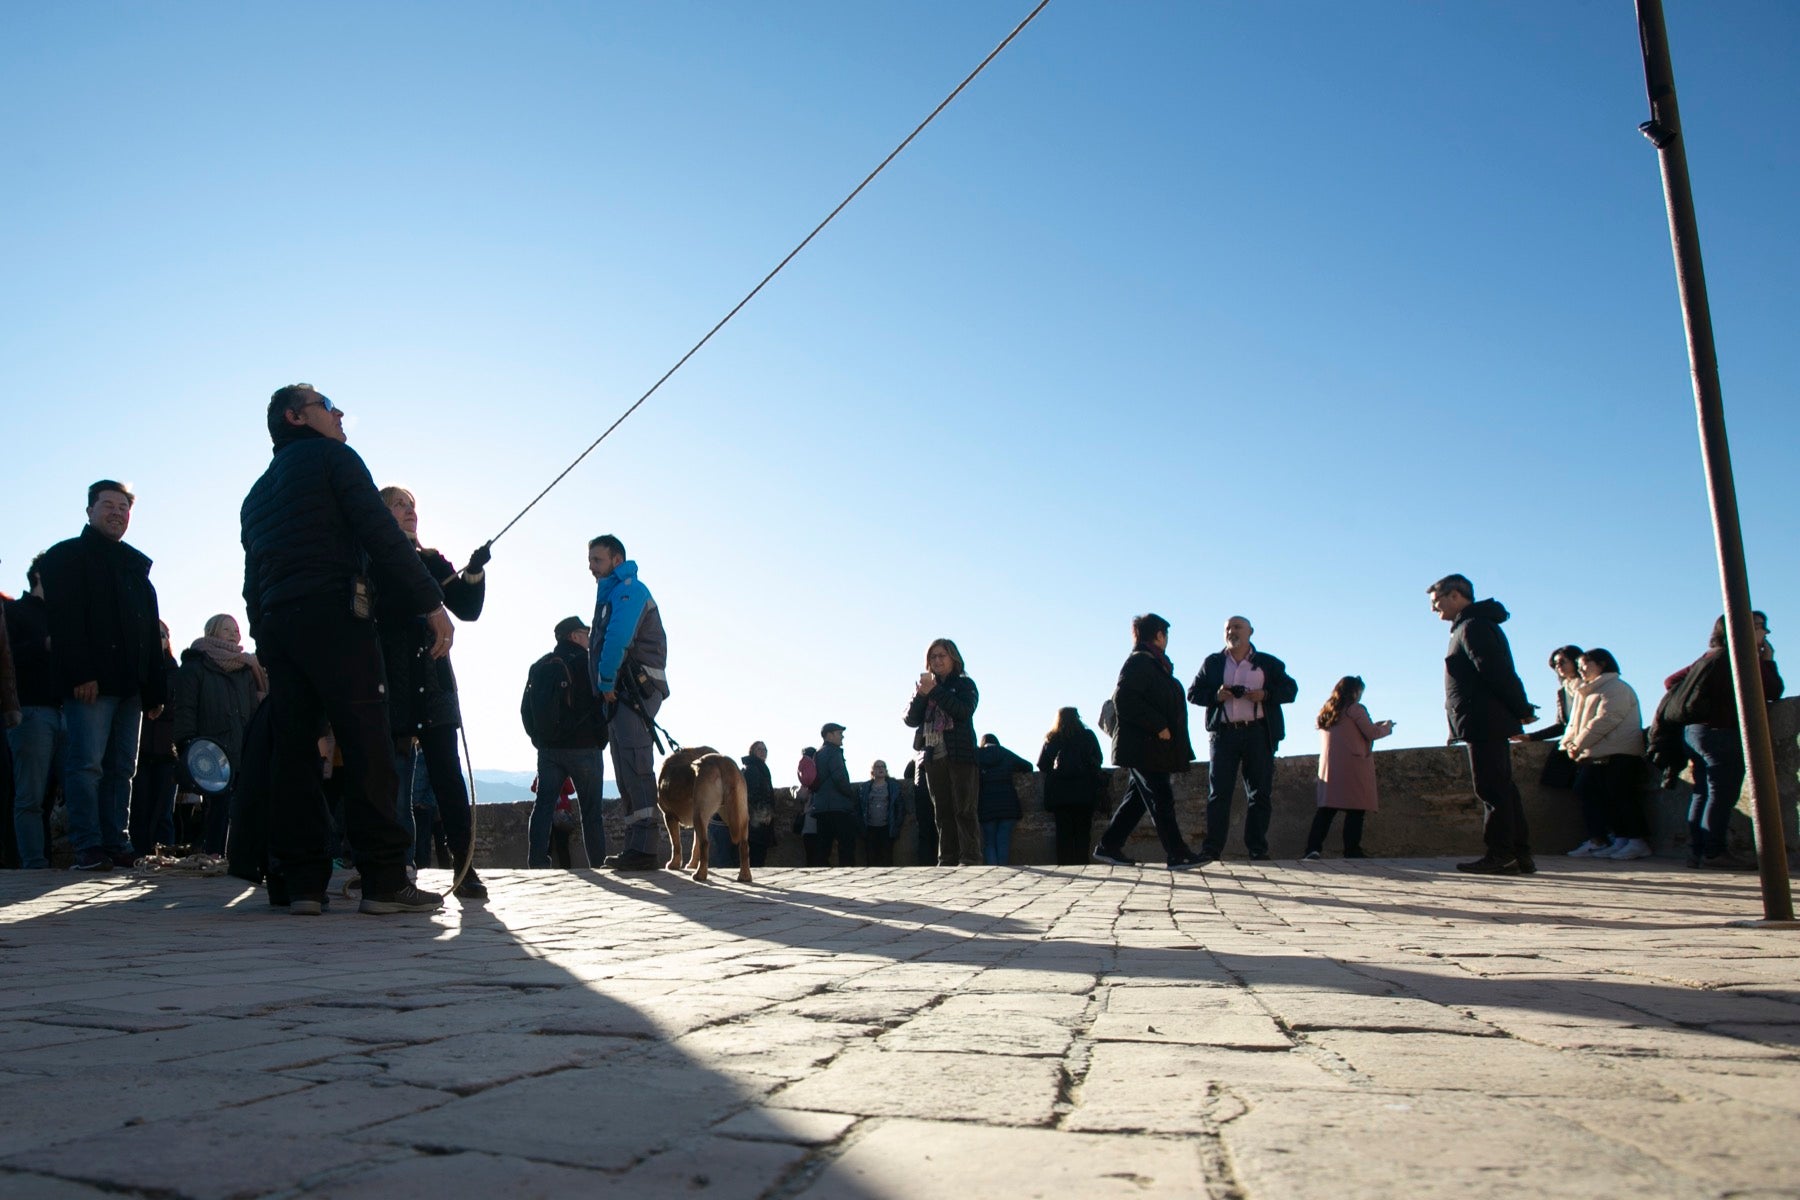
[1486,610]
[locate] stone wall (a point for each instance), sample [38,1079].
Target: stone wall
[1427,810]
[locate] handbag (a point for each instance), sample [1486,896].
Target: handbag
[1559,770]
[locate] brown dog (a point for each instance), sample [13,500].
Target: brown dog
[694,784]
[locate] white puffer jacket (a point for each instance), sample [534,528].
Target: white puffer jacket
[1606,720]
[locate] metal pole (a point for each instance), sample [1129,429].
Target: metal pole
[1664,131]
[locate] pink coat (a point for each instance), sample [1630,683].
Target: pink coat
[1347,761]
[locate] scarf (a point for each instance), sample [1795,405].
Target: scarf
[1161,658]
[937,722]
[229,656]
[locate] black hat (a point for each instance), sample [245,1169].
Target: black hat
[569,625]
[830,727]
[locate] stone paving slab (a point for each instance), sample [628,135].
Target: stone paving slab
[1373,1028]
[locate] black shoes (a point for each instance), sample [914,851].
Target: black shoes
[1359,852]
[471,888]
[1493,864]
[1258,856]
[1118,858]
[408,899]
[1727,861]
[634,860]
[1527,864]
[1188,862]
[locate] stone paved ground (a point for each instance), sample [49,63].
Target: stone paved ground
[1343,1029]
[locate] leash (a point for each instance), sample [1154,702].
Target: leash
[791,254]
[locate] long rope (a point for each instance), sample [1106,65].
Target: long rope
[751,295]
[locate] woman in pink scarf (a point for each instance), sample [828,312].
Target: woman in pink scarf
[218,687]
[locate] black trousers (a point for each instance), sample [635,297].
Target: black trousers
[1148,792]
[839,829]
[325,665]
[1321,825]
[442,766]
[1504,832]
[1074,826]
[878,848]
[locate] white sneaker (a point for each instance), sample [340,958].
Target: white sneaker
[1613,848]
[1590,850]
[1633,848]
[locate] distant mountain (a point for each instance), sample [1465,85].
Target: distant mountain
[509,787]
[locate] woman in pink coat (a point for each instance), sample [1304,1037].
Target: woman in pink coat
[1346,767]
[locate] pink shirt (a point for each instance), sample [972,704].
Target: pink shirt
[1251,678]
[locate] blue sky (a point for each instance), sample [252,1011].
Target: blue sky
[1281,309]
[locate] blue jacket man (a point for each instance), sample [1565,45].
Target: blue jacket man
[627,653]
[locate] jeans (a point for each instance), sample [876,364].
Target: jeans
[99,759]
[1147,792]
[1504,831]
[1718,778]
[33,744]
[721,853]
[996,842]
[1234,751]
[587,767]
[634,767]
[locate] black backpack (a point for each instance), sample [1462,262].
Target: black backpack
[548,710]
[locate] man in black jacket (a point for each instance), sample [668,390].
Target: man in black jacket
[106,666]
[34,740]
[835,804]
[566,724]
[1151,741]
[1486,704]
[1242,690]
[313,526]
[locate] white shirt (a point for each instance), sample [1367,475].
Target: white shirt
[1251,678]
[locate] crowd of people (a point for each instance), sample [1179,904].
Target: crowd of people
[341,731]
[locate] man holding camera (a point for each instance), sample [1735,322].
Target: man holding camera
[1242,690]
[627,651]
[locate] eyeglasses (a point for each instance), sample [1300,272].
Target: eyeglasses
[323,402]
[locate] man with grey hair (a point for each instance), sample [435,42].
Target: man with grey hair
[1242,690]
[1486,705]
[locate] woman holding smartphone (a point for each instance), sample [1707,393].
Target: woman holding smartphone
[942,712]
[1346,768]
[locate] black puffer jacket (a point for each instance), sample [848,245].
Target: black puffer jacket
[103,619]
[314,522]
[998,797]
[1483,697]
[956,697]
[214,703]
[759,792]
[1149,700]
[1071,767]
[28,629]
[422,689]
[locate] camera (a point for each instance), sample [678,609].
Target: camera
[1238,690]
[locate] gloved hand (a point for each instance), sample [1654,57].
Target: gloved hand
[480,558]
